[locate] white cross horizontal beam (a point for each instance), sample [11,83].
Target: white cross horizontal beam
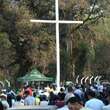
[54,21]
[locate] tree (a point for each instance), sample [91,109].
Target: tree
[33,44]
[24,45]
[81,57]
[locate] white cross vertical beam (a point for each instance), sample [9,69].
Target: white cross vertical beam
[57,46]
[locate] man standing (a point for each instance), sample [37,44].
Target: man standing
[93,103]
[74,103]
[29,100]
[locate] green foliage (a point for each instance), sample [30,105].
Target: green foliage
[4,41]
[41,9]
[24,45]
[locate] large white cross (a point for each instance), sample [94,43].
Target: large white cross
[57,22]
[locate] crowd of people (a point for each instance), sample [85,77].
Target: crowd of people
[71,97]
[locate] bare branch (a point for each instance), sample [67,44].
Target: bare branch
[88,18]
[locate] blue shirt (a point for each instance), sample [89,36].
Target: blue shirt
[94,104]
[29,100]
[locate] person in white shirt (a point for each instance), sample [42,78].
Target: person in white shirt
[18,101]
[100,88]
[65,107]
[69,93]
[93,103]
[3,99]
[44,101]
[67,97]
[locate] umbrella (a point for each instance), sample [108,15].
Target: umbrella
[35,75]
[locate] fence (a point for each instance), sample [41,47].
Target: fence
[34,108]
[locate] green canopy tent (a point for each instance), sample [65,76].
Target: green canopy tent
[35,75]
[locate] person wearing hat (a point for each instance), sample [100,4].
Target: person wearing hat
[74,103]
[3,98]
